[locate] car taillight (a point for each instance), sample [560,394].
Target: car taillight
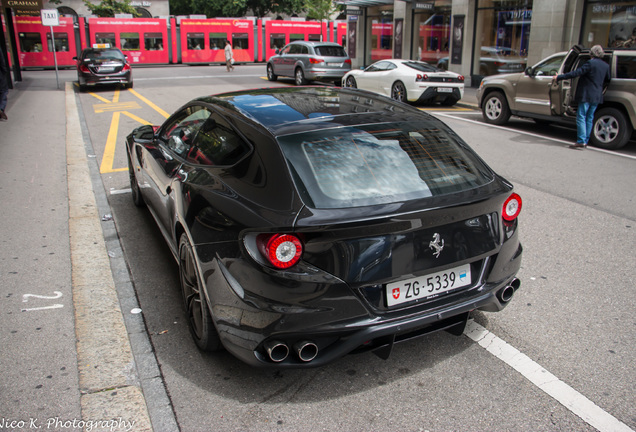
[511,208]
[347,61]
[281,250]
[84,68]
[126,67]
[421,77]
[315,60]
[460,78]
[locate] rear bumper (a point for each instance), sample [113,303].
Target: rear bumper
[337,324]
[86,79]
[431,94]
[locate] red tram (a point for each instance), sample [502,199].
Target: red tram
[143,40]
[381,41]
[35,42]
[203,40]
[280,33]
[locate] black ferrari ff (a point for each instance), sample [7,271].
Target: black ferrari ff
[313,222]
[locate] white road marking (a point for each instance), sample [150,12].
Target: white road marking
[120,191]
[545,381]
[614,153]
[55,306]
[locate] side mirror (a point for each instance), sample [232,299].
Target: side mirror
[530,71]
[277,51]
[144,133]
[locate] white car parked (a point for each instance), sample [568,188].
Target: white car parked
[408,81]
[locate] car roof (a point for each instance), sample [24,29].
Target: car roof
[314,43]
[287,110]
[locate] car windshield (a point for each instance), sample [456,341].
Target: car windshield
[421,66]
[330,51]
[107,54]
[379,164]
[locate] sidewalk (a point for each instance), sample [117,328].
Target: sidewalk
[67,358]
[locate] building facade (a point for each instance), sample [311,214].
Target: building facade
[483,37]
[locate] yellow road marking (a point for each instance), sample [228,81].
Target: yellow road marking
[119,106]
[152,105]
[111,144]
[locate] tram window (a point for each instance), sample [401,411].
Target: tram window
[129,41]
[217,41]
[196,41]
[277,40]
[153,41]
[30,42]
[314,37]
[239,41]
[61,42]
[296,36]
[105,38]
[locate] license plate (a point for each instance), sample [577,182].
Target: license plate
[427,286]
[444,90]
[106,69]
[334,64]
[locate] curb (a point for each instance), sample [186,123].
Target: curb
[119,376]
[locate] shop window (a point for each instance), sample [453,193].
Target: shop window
[610,24]
[129,41]
[153,41]
[217,41]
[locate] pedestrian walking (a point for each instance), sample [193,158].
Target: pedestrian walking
[229,56]
[4,85]
[594,76]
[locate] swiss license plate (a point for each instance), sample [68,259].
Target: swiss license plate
[444,90]
[106,69]
[334,64]
[427,286]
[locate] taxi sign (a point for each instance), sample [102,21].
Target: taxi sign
[101,45]
[49,17]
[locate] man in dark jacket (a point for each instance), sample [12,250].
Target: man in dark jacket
[4,85]
[594,74]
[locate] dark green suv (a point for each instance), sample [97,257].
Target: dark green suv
[533,94]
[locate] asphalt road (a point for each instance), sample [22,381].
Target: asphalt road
[558,358]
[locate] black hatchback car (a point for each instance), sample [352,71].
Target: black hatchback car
[102,64]
[312,222]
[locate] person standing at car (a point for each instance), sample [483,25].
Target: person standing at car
[4,85]
[594,74]
[229,56]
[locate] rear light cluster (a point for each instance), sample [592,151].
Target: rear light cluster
[126,67]
[281,250]
[460,78]
[421,77]
[84,68]
[313,60]
[347,61]
[511,208]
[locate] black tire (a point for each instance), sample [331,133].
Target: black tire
[398,92]
[299,77]
[137,198]
[271,76]
[611,129]
[495,108]
[449,102]
[130,85]
[200,322]
[351,82]
[337,82]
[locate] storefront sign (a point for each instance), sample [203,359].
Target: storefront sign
[458,39]
[24,7]
[354,12]
[352,30]
[424,6]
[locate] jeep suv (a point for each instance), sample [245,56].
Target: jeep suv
[533,94]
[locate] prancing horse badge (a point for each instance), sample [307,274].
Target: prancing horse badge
[437,244]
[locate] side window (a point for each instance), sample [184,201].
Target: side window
[305,50]
[286,49]
[295,49]
[179,134]
[549,67]
[217,144]
[626,67]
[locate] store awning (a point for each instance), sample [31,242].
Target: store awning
[364,3]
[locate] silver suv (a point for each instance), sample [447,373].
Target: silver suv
[309,61]
[533,94]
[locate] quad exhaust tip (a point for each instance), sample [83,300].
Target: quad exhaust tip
[277,351]
[307,351]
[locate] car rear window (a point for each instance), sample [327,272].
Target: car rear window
[330,51]
[107,54]
[379,164]
[421,66]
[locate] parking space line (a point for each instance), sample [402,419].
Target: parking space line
[545,381]
[596,149]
